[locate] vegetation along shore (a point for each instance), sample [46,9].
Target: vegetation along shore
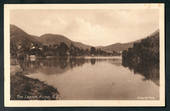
[25,88]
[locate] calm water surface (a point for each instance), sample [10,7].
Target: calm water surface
[94,78]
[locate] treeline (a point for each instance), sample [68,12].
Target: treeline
[24,49]
[145,52]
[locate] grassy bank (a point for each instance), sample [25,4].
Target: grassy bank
[25,88]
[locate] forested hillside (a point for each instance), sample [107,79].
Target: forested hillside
[144,52]
[23,45]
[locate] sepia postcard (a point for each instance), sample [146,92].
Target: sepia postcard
[76,55]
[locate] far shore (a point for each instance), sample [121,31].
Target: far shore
[85,57]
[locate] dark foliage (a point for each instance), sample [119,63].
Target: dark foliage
[24,88]
[23,50]
[145,52]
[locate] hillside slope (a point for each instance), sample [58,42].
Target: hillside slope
[50,39]
[17,36]
[117,47]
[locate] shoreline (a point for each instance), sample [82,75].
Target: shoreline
[25,88]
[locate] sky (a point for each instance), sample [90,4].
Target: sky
[97,27]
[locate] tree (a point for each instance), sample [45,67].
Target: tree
[93,50]
[63,48]
[72,50]
[13,49]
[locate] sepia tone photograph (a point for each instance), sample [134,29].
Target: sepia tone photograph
[107,53]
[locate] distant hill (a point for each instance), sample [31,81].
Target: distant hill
[117,47]
[18,35]
[50,39]
[81,45]
[123,46]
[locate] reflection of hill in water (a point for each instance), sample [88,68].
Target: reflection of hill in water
[60,65]
[149,71]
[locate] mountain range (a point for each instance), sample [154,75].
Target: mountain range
[18,35]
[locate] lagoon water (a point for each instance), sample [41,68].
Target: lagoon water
[94,78]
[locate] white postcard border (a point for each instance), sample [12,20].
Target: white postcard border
[81,103]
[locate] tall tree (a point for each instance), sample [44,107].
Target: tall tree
[93,50]
[63,48]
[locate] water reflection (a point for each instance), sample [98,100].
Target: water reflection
[61,64]
[93,78]
[149,71]
[93,61]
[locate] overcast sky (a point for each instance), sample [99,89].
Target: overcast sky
[93,27]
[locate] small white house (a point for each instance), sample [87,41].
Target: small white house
[32,57]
